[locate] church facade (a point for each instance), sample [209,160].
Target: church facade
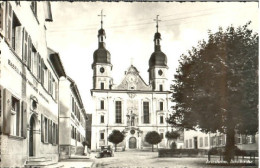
[133,107]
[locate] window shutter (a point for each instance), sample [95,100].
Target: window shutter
[39,66]
[57,134]
[19,40]
[29,53]
[8,28]
[56,91]
[49,131]
[52,133]
[1,17]
[42,71]
[7,112]
[25,46]
[42,128]
[24,119]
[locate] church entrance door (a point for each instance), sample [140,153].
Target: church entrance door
[132,143]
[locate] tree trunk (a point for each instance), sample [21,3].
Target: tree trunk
[152,148]
[230,145]
[115,147]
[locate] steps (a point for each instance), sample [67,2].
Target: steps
[42,162]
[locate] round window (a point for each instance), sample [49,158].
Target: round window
[132,131]
[160,72]
[102,70]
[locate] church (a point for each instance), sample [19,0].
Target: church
[132,106]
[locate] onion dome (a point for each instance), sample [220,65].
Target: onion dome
[101,55]
[158,58]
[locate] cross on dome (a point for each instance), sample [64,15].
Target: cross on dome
[157,20]
[101,16]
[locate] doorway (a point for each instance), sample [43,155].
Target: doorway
[195,142]
[31,137]
[132,143]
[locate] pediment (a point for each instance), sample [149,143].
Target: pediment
[133,81]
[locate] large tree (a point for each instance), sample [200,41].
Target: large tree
[116,137]
[216,85]
[153,138]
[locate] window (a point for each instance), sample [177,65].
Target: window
[146,112]
[118,112]
[34,8]
[15,117]
[161,119]
[161,135]
[190,142]
[206,141]
[54,134]
[15,31]
[239,138]
[161,106]
[102,104]
[187,144]
[102,136]
[45,130]
[102,119]
[201,141]
[102,86]
[161,87]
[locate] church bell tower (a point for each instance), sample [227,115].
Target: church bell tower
[158,65]
[101,65]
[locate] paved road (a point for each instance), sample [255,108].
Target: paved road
[149,159]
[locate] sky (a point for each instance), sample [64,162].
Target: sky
[130,29]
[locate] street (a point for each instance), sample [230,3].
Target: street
[150,159]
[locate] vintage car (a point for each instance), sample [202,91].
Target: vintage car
[106,151]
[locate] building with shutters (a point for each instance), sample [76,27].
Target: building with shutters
[72,119]
[133,106]
[199,140]
[29,77]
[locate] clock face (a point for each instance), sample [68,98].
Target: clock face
[102,70]
[160,72]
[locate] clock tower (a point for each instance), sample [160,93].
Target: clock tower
[102,66]
[158,65]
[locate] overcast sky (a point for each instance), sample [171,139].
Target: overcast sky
[130,29]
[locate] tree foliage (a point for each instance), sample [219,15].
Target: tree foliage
[153,138]
[216,84]
[172,135]
[116,137]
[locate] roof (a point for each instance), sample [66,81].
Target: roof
[56,62]
[75,91]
